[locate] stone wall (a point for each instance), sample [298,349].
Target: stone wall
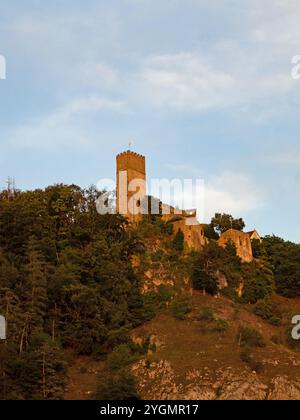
[193,233]
[242,242]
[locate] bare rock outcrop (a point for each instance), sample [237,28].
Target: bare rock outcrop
[157,380]
[284,389]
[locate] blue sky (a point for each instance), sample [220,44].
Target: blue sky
[203,88]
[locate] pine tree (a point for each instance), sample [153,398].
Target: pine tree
[37,282]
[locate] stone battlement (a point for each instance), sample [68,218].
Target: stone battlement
[130,153]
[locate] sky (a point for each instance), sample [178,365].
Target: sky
[203,89]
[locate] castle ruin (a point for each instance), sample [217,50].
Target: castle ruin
[133,203]
[241,241]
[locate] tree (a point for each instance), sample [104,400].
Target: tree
[37,282]
[65,279]
[210,233]
[223,222]
[285,259]
[258,281]
[41,370]
[205,265]
[258,249]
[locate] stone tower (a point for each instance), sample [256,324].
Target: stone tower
[131,184]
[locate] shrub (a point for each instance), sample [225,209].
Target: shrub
[206,314]
[116,338]
[181,307]
[117,386]
[266,310]
[249,337]
[121,356]
[221,326]
[149,305]
[165,293]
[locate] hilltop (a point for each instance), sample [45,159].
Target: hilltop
[99,308]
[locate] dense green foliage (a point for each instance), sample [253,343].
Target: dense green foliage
[66,281]
[67,286]
[210,233]
[223,222]
[285,258]
[215,265]
[249,337]
[117,382]
[120,385]
[267,311]
[181,306]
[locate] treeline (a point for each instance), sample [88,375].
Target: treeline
[66,281]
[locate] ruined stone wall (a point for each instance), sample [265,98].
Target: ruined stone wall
[193,233]
[241,241]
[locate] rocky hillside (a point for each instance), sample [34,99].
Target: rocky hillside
[199,345]
[193,359]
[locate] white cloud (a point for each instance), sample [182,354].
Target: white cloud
[231,193]
[228,192]
[97,48]
[194,82]
[186,81]
[64,127]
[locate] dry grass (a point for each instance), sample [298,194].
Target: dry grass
[186,347]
